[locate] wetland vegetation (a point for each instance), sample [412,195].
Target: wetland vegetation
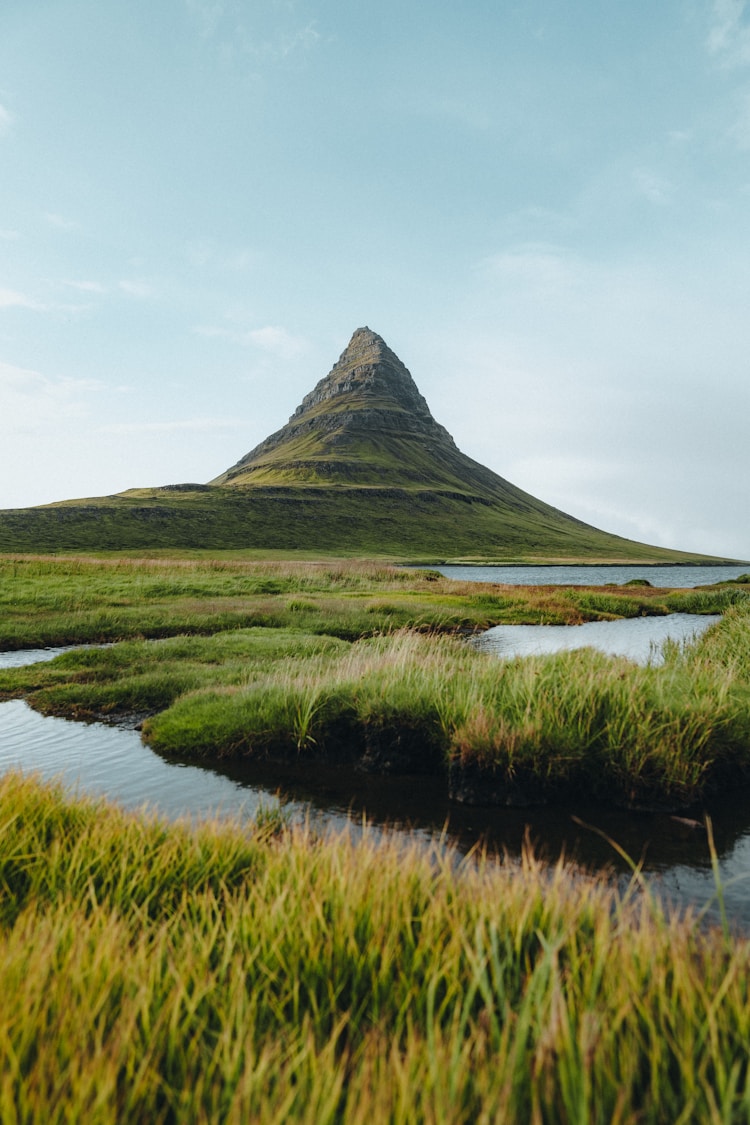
[361,662]
[226,973]
[218,974]
[55,600]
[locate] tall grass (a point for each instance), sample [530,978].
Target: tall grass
[706,600]
[577,724]
[529,730]
[173,975]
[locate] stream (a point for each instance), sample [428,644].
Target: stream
[112,762]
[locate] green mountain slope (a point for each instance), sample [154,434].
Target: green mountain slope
[361,467]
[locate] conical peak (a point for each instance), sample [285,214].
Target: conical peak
[367,367]
[363,338]
[367,396]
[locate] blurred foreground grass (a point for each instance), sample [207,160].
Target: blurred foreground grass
[174,974]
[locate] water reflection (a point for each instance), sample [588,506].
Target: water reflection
[112,762]
[108,761]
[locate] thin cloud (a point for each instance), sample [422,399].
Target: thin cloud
[140,289]
[539,266]
[278,47]
[59,221]
[304,39]
[31,402]
[86,286]
[206,15]
[652,187]
[270,339]
[13,299]
[206,253]
[225,23]
[6,120]
[729,35]
[277,341]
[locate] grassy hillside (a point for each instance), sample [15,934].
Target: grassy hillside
[395,523]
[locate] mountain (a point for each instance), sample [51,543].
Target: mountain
[367,426]
[361,467]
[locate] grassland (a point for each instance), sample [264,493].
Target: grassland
[377,522]
[232,974]
[176,975]
[345,662]
[48,600]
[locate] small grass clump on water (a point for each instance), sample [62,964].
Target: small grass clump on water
[147,676]
[220,974]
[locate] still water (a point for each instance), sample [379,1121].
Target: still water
[639,638]
[112,762]
[672,576]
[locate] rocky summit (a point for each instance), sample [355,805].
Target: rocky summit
[367,425]
[361,468]
[366,408]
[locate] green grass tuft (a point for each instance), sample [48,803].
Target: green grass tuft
[343,661]
[211,974]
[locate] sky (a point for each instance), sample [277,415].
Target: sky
[543,207]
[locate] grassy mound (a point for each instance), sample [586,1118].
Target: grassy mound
[525,731]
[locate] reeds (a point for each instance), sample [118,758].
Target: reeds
[213,975]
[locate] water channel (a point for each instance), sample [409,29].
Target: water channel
[112,762]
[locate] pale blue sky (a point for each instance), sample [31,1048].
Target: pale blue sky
[543,206]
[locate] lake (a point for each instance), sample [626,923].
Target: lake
[112,762]
[673,576]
